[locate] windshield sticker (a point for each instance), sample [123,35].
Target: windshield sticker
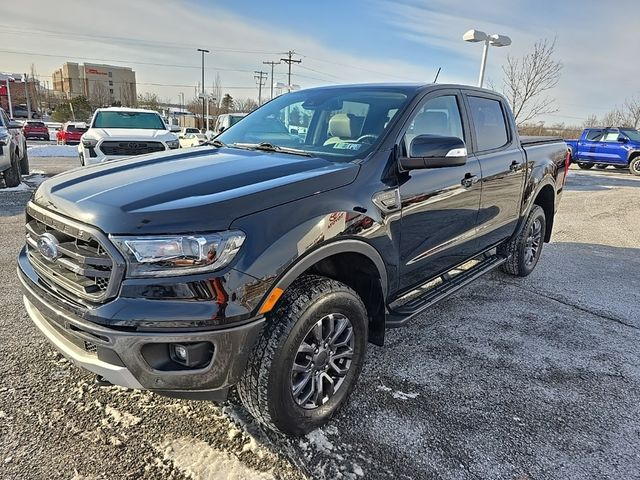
[347,146]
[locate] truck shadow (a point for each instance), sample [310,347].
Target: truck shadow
[599,180]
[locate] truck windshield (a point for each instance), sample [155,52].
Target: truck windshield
[632,134]
[341,123]
[128,120]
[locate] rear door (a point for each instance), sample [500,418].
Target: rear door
[502,161]
[609,149]
[588,144]
[439,205]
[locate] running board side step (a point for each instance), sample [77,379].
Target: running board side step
[449,282]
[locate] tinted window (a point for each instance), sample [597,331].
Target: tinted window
[438,116]
[632,134]
[35,124]
[592,135]
[489,123]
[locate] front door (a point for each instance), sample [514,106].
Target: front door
[439,205]
[610,149]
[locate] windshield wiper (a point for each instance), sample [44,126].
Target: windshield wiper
[270,147]
[215,143]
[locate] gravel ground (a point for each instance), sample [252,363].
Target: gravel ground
[535,378]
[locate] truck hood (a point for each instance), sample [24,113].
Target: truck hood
[204,189]
[129,134]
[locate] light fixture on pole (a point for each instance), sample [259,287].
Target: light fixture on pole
[495,40]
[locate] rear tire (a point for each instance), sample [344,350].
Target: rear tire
[12,174]
[524,250]
[299,375]
[585,166]
[24,162]
[634,166]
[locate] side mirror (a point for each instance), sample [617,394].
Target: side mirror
[432,151]
[622,139]
[14,126]
[221,129]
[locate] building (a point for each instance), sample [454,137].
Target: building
[101,84]
[14,87]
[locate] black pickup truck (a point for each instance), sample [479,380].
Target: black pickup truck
[267,260]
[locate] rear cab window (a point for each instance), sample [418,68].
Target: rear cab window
[489,123]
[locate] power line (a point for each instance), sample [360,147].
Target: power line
[289,60]
[260,77]
[273,64]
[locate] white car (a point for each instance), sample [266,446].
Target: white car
[124,132]
[227,120]
[192,140]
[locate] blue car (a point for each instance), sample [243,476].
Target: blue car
[601,147]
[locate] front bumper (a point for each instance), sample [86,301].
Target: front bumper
[121,356]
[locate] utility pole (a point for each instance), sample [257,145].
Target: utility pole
[289,61]
[26,94]
[204,100]
[260,77]
[9,96]
[272,65]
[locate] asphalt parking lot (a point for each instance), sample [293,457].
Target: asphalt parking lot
[535,378]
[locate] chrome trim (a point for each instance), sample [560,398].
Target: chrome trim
[80,231]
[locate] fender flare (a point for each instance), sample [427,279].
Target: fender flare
[325,251]
[631,154]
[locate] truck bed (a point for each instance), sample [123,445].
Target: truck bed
[533,140]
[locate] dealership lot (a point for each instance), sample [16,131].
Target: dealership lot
[533,378]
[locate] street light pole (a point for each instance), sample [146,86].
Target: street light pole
[203,51]
[496,40]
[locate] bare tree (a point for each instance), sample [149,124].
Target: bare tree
[615,118]
[631,109]
[245,105]
[150,101]
[216,92]
[528,78]
[591,121]
[128,95]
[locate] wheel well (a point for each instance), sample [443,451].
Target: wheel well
[361,274]
[634,155]
[546,200]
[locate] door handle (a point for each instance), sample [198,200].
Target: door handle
[469,180]
[515,166]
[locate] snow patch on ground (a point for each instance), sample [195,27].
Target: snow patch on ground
[23,187]
[125,419]
[397,394]
[320,440]
[199,460]
[53,151]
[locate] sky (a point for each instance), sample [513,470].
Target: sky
[338,42]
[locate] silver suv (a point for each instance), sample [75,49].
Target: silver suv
[13,151]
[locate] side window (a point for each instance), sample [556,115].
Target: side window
[489,123]
[593,135]
[610,137]
[439,116]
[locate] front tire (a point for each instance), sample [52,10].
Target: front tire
[634,166]
[309,357]
[524,250]
[585,166]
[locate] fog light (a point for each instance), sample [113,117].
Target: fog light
[192,355]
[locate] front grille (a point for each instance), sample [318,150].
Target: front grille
[130,148]
[85,265]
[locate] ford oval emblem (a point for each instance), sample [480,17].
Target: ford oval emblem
[48,246]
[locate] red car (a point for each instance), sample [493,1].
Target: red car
[35,129]
[71,133]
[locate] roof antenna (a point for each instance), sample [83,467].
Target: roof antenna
[435,80]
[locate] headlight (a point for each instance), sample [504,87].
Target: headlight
[173,144]
[163,256]
[89,142]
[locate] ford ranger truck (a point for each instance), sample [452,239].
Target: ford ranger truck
[601,147]
[268,261]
